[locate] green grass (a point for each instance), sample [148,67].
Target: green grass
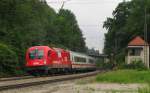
[144,90]
[125,76]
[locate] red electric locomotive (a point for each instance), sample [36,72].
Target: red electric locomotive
[43,59]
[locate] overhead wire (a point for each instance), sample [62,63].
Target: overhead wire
[81,2]
[89,25]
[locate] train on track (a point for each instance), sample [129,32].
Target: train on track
[43,59]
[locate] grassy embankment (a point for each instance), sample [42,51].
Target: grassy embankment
[127,76]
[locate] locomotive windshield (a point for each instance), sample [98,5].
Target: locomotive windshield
[36,54]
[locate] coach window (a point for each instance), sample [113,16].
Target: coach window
[91,61]
[76,59]
[83,60]
[79,59]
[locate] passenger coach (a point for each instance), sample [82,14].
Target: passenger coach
[81,61]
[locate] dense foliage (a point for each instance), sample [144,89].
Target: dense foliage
[25,23]
[139,65]
[9,60]
[70,34]
[127,22]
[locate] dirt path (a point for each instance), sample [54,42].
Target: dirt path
[88,85]
[96,88]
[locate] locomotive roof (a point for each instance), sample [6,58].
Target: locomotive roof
[59,49]
[40,47]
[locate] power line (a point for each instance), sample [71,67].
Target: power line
[89,25]
[63,3]
[55,2]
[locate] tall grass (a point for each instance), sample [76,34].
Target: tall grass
[125,76]
[144,90]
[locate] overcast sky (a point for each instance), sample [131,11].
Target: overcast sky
[90,15]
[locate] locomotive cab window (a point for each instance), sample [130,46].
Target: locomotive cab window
[32,54]
[40,54]
[36,54]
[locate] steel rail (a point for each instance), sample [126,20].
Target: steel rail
[15,78]
[66,78]
[29,77]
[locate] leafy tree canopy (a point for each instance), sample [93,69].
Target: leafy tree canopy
[26,23]
[126,23]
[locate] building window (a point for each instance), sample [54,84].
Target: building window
[135,52]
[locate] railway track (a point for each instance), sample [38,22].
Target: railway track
[42,80]
[28,77]
[15,78]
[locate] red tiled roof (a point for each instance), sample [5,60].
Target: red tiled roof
[137,41]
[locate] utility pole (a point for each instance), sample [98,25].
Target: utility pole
[43,1]
[63,3]
[145,38]
[145,35]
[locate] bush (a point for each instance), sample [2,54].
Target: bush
[9,60]
[135,65]
[104,65]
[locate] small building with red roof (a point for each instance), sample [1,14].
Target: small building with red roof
[138,50]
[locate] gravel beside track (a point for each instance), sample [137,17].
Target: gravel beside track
[42,80]
[15,78]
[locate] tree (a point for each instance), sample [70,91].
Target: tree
[69,31]
[126,23]
[26,23]
[9,60]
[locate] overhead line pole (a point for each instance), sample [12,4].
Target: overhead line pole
[145,38]
[63,3]
[145,24]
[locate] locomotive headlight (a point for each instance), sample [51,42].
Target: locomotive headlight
[44,61]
